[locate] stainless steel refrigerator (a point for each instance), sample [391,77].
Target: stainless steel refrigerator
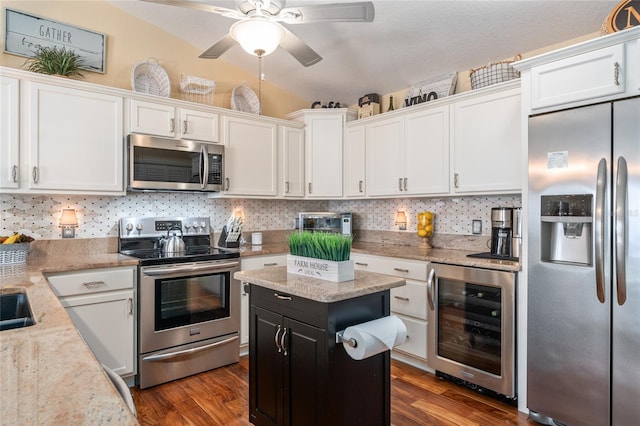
[583,359]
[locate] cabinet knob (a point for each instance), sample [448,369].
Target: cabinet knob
[616,73]
[456,180]
[14,173]
[228,183]
[185,127]
[405,184]
[404,299]
[277,341]
[286,187]
[172,125]
[361,186]
[309,187]
[406,271]
[35,175]
[282,342]
[400,184]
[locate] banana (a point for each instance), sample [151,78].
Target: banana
[12,239]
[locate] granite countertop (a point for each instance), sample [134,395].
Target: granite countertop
[438,255]
[48,373]
[278,279]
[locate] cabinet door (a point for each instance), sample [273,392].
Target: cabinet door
[75,139]
[9,132]
[384,154]
[265,368]
[250,157]
[305,381]
[323,155]
[486,143]
[198,125]
[354,161]
[106,322]
[151,118]
[587,76]
[292,157]
[426,152]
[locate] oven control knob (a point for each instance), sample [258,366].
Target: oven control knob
[203,225]
[139,227]
[129,227]
[187,226]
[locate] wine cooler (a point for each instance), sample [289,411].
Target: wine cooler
[471,326]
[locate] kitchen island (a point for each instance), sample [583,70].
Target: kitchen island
[298,374]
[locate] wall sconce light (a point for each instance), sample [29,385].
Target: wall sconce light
[68,223]
[401,220]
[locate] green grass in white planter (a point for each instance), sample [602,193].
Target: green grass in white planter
[320,245]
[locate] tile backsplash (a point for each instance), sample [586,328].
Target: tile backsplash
[37,215]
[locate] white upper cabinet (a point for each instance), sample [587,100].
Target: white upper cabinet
[291,156]
[74,140]
[408,154]
[581,77]
[486,143]
[354,161]
[9,132]
[250,160]
[164,119]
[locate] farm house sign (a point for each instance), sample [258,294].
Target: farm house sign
[625,15]
[24,33]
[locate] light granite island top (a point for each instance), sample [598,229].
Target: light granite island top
[277,278]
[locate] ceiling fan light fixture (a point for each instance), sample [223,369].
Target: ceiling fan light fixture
[257,35]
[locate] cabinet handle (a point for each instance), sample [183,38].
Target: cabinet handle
[35,175]
[14,173]
[400,184]
[361,186]
[185,128]
[130,301]
[282,342]
[616,73]
[362,264]
[227,184]
[406,271]
[172,125]
[309,187]
[270,264]
[93,284]
[405,184]
[455,180]
[281,297]
[278,340]
[404,299]
[286,187]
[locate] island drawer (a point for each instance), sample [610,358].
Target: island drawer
[410,299]
[92,281]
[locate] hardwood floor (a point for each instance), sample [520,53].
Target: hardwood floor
[220,397]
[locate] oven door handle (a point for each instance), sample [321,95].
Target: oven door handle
[189,268]
[162,357]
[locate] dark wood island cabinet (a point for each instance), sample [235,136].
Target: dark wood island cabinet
[298,374]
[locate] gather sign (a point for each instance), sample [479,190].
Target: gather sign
[625,15]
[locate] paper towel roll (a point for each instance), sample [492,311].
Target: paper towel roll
[375,336]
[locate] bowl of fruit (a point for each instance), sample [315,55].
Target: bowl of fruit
[425,228]
[14,248]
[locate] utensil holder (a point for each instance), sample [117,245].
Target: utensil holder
[229,240]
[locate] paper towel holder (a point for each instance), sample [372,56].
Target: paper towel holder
[341,339]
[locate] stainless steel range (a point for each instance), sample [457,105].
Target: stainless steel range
[188,300]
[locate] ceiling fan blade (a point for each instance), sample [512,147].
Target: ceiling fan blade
[336,12]
[299,49]
[205,7]
[221,46]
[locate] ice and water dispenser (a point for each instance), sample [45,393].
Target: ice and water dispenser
[566,229]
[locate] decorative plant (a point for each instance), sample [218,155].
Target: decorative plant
[320,245]
[55,61]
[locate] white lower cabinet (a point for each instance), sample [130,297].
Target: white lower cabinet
[247,264]
[101,303]
[408,302]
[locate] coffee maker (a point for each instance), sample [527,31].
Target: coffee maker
[501,231]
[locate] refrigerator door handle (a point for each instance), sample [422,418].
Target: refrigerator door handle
[601,186]
[621,231]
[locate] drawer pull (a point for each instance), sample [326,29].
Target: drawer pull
[270,264]
[404,299]
[93,284]
[616,74]
[281,297]
[406,271]
[362,264]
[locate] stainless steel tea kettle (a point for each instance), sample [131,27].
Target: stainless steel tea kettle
[173,245]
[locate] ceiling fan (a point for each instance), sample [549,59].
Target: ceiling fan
[259,30]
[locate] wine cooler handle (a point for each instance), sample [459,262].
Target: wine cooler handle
[430,287]
[621,231]
[601,185]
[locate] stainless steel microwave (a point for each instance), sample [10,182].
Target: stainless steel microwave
[163,164]
[338,223]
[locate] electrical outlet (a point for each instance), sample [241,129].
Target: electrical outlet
[476,227]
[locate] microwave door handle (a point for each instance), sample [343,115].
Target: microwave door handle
[204,167]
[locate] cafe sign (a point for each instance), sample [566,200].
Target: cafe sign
[625,15]
[25,33]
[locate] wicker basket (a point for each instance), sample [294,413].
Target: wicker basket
[244,99]
[149,77]
[494,73]
[197,89]
[13,253]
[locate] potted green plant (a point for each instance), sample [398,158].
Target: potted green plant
[320,255]
[55,61]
